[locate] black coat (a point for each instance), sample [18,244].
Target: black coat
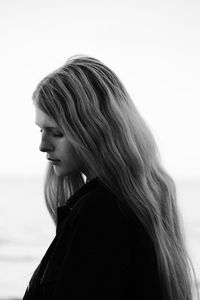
[97,253]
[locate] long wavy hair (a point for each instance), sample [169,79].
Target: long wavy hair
[95,111]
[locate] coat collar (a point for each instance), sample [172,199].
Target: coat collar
[63,211]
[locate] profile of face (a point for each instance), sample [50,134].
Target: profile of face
[60,151]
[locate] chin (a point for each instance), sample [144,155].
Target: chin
[61,172]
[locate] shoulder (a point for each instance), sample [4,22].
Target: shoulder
[99,203]
[101,233]
[101,208]
[122,237]
[98,197]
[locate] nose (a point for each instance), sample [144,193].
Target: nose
[46,146]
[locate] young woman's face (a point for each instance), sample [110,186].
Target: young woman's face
[60,152]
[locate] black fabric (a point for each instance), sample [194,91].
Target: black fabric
[97,253]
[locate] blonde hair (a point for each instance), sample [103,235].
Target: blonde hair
[93,108]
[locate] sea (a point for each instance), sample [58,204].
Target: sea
[26,229]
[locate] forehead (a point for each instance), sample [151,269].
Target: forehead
[43,120]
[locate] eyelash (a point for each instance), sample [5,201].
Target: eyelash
[54,134]
[58,135]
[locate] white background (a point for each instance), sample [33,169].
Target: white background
[153,46]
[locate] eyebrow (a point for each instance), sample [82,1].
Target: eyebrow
[48,127]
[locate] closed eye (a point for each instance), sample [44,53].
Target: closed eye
[57,134]
[54,133]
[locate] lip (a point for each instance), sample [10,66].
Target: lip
[53,161]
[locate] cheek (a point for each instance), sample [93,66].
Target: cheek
[68,152]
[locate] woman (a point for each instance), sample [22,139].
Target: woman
[118,234]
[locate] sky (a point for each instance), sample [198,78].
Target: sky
[153,47]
